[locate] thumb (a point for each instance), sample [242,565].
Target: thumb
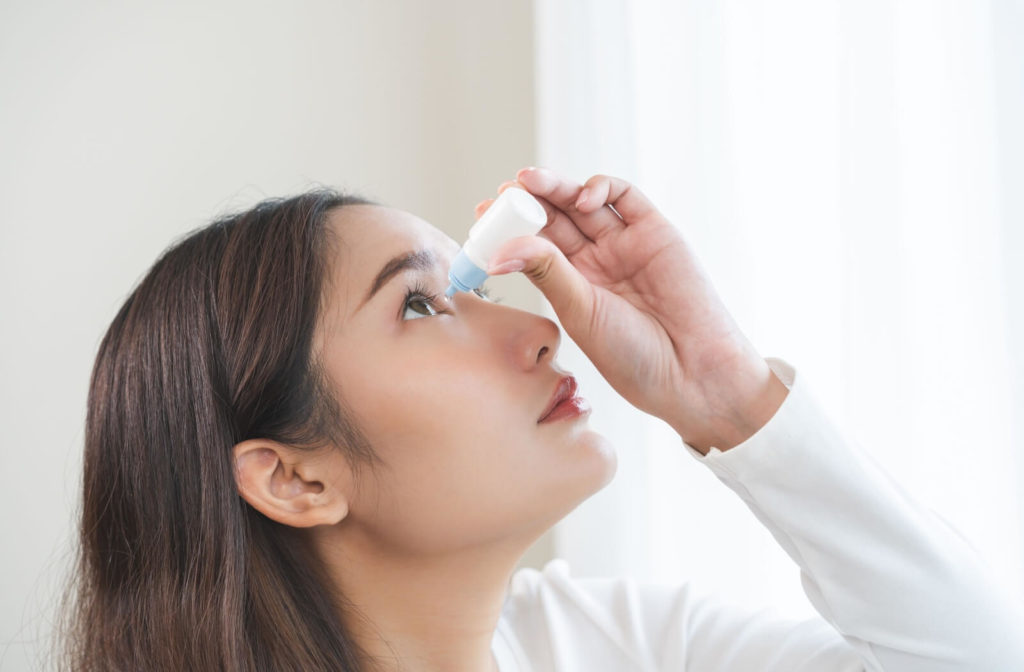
[570,294]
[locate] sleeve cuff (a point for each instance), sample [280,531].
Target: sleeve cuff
[783,416]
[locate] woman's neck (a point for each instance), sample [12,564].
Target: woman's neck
[421,613]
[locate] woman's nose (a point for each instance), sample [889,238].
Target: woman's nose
[535,343]
[529,340]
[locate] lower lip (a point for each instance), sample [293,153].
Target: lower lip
[573,407]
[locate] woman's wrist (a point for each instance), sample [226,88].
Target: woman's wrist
[748,402]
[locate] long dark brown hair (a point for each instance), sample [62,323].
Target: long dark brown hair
[214,346]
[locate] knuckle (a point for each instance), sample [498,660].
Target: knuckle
[542,270]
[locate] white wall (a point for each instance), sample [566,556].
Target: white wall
[123,125]
[1008,51]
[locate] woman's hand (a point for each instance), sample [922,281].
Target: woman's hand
[630,292]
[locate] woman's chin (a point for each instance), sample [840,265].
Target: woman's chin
[605,452]
[601,453]
[595,463]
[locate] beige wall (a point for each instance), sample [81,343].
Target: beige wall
[123,125]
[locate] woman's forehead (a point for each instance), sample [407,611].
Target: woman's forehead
[379,231]
[368,237]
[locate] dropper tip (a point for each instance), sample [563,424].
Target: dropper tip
[450,292]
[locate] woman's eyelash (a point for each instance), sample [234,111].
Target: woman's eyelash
[485,293]
[419,293]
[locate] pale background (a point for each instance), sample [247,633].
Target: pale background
[849,172]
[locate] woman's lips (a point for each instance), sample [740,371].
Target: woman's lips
[564,402]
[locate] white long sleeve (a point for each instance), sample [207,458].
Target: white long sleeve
[897,588]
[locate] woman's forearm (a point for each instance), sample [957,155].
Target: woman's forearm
[899,583]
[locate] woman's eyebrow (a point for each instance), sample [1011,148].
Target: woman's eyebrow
[420,260]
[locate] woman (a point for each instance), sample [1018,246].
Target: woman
[301,456]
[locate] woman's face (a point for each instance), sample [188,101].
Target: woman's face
[449,393]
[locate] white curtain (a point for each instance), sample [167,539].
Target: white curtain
[849,174]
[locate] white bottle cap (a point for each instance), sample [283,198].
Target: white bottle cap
[514,213]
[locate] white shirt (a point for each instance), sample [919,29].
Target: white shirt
[897,588]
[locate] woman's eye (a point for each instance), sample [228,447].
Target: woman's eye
[419,305]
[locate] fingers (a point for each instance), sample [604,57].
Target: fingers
[576,213]
[593,220]
[560,229]
[627,200]
[570,294]
[482,206]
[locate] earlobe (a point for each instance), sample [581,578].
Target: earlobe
[294,487]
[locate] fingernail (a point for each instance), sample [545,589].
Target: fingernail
[582,198]
[541,177]
[510,266]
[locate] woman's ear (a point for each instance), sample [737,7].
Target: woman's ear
[300,488]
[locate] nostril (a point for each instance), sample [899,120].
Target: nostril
[541,353]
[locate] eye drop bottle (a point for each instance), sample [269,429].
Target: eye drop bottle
[514,213]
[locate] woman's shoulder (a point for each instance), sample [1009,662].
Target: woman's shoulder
[619,622]
[578,621]
[555,587]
